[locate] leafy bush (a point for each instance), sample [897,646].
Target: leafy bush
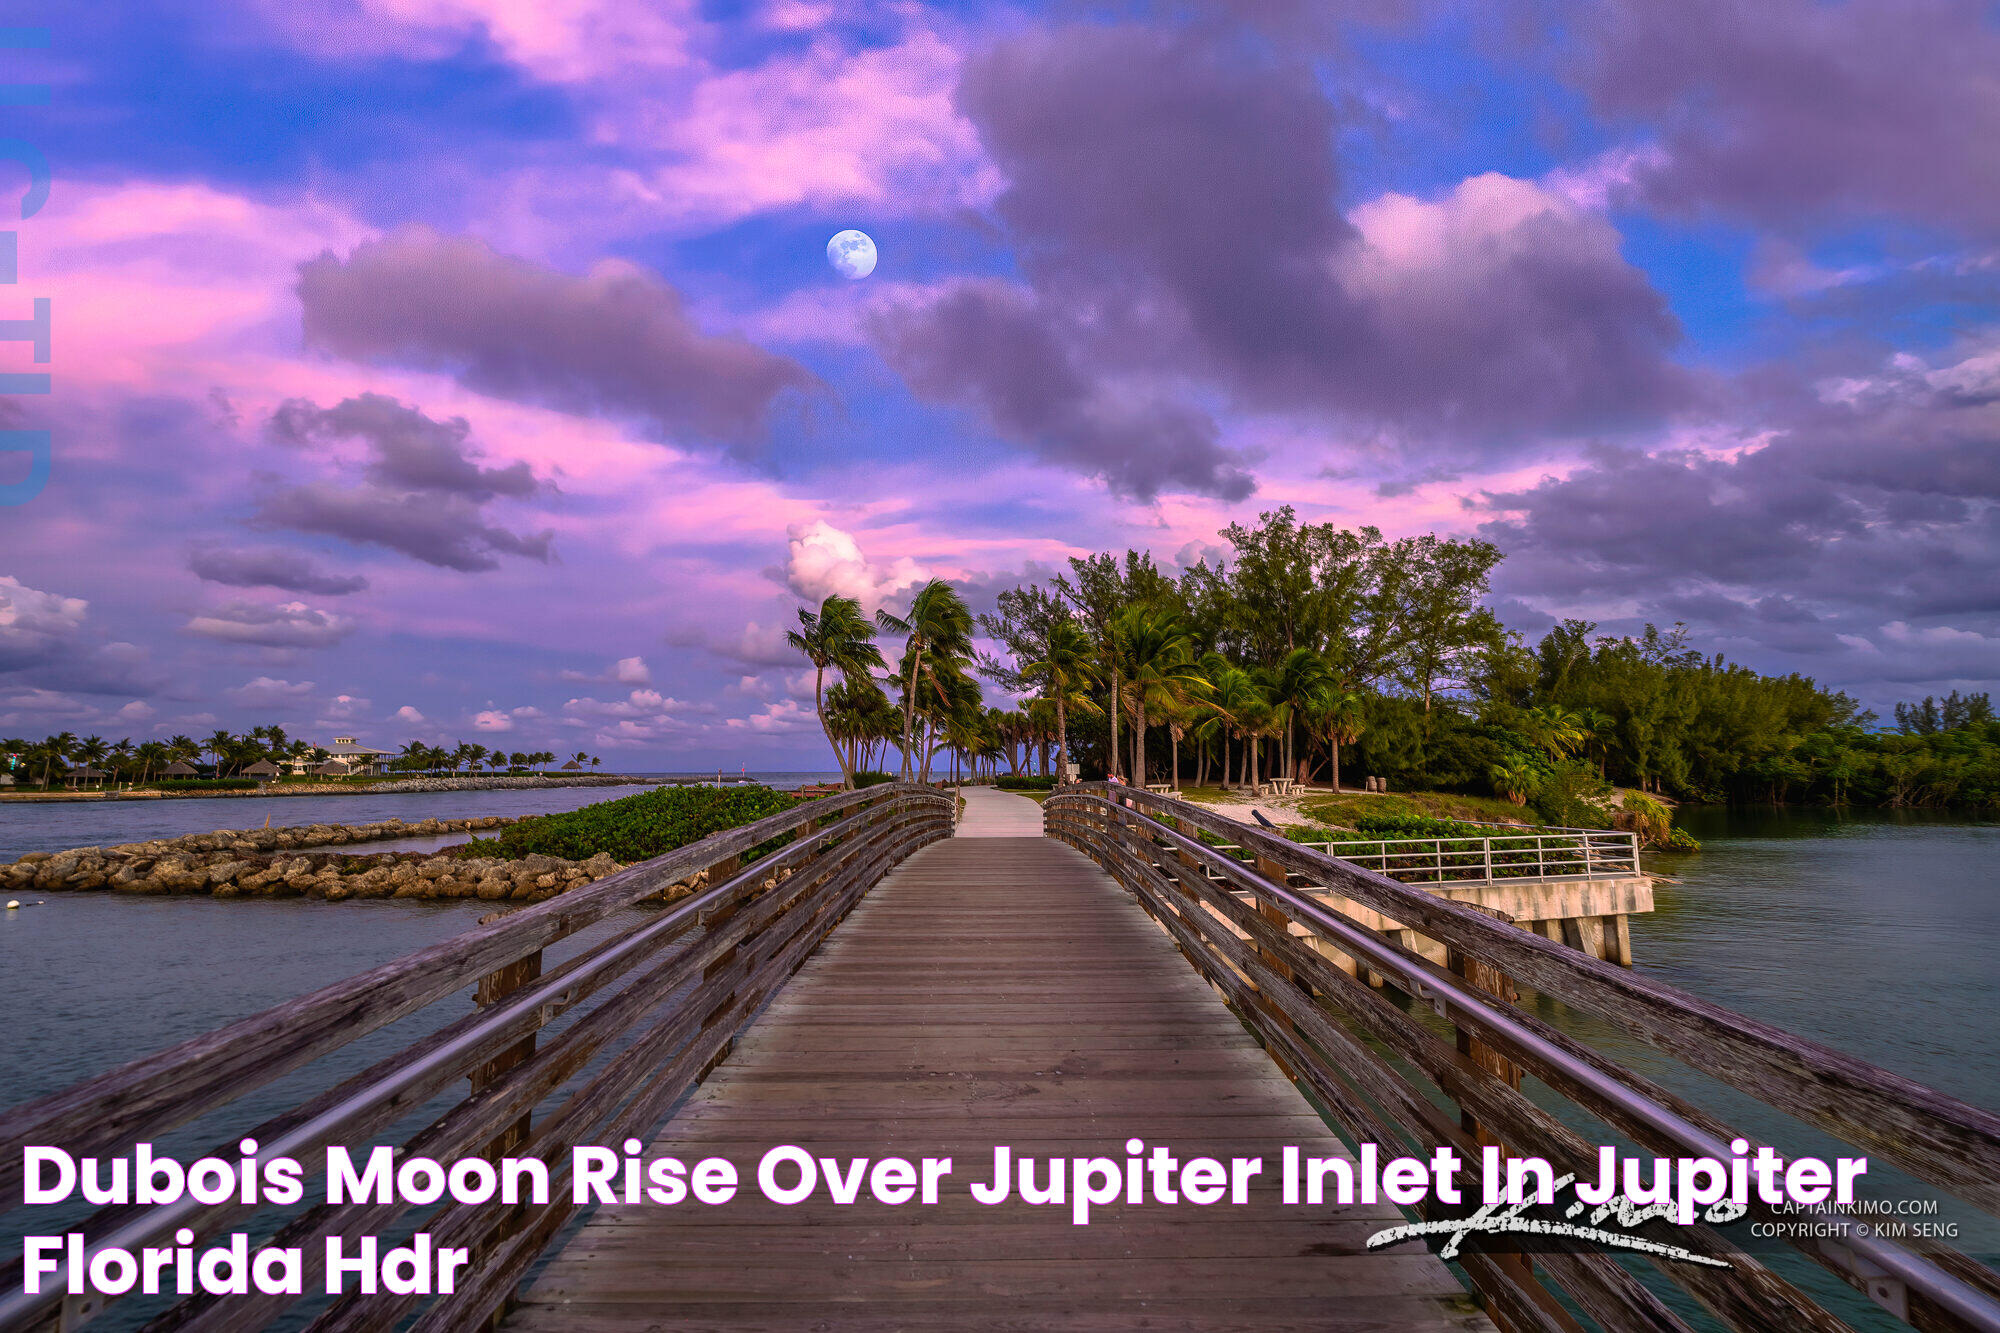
[1024,782]
[635,828]
[872,779]
[1680,840]
[1572,795]
[1418,826]
[204,784]
[1646,817]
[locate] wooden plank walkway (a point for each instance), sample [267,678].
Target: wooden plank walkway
[989,991]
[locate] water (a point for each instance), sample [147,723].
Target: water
[56,825]
[1874,933]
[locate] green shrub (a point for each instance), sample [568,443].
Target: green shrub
[204,784]
[1418,826]
[872,779]
[1680,840]
[1572,795]
[1024,782]
[635,828]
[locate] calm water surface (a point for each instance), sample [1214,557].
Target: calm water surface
[1874,934]
[55,825]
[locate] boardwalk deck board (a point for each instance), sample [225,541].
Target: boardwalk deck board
[993,990]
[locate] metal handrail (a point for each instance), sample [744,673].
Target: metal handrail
[1868,1260]
[1599,853]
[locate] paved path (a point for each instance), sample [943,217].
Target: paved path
[992,990]
[992,813]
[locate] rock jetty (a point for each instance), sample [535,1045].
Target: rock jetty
[271,863]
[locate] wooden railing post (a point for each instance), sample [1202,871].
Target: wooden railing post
[1479,973]
[491,989]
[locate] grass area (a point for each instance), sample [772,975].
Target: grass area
[1327,810]
[1343,810]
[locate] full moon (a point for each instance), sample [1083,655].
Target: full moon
[852,254]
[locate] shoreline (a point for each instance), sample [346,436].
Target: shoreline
[393,787]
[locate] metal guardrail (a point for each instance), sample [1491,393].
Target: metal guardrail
[1258,934]
[650,1021]
[1539,854]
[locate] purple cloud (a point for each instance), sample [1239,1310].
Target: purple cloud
[423,493]
[1172,199]
[268,567]
[1796,110]
[614,342]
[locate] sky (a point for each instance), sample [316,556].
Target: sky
[472,370]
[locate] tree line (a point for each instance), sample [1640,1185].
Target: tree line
[1326,654]
[229,753]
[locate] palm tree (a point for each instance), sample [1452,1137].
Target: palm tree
[1303,678]
[595,761]
[939,624]
[92,750]
[184,748]
[149,756]
[1555,729]
[837,636]
[1065,673]
[1341,715]
[221,745]
[1164,676]
[1514,779]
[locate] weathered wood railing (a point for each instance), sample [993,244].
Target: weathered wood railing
[1386,1074]
[657,1005]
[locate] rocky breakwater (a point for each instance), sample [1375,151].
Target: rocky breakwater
[269,863]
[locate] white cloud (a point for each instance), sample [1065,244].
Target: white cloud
[409,714]
[265,692]
[26,610]
[631,671]
[784,716]
[35,624]
[491,720]
[823,561]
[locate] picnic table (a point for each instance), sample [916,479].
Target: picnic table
[1278,787]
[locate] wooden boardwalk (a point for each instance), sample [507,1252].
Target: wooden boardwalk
[992,990]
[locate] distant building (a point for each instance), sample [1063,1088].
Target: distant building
[345,750]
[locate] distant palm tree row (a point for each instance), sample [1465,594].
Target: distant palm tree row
[1143,669]
[227,754]
[1267,666]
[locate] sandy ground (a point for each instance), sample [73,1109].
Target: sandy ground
[1277,809]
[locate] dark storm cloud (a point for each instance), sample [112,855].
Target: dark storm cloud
[615,342]
[269,567]
[1167,159]
[448,531]
[1797,109]
[424,493]
[1864,534]
[1172,200]
[410,449]
[987,345]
